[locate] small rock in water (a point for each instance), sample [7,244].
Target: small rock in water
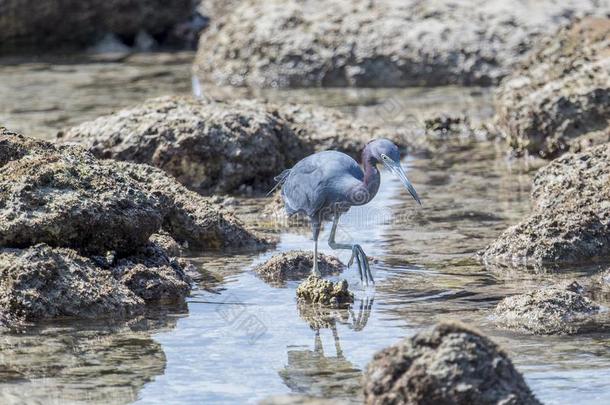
[316,290]
[296,265]
[556,310]
[449,364]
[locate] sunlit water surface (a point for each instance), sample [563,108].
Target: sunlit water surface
[241,340]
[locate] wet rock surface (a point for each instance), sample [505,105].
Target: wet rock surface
[570,222]
[296,265]
[73,24]
[447,364]
[217,147]
[374,44]
[152,275]
[315,290]
[546,311]
[41,282]
[559,98]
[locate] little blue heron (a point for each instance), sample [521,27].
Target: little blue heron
[325,185]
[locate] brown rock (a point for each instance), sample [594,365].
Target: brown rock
[449,364]
[97,206]
[570,222]
[65,197]
[559,99]
[381,43]
[41,282]
[555,310]
[296,265]
[315,290]
[214,147]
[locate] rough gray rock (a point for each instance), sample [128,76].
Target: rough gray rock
[54,199]
[570,222]
[41,282]
[152,275]
[449,364]
[65,197]
[381,43]
[559,99]
[40,25]
[296,265]
[315,290]
[167,243]
[214,147]
[189,218]
[555,310]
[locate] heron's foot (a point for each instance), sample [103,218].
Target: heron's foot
[360,321]
[363,265]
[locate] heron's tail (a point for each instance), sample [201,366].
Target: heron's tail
[279,180]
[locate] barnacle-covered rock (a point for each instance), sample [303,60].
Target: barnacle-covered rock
[316,290]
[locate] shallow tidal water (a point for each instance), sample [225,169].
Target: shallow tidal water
[240,340]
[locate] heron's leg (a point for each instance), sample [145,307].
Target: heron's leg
[357,253]
[315,227]
[338,349]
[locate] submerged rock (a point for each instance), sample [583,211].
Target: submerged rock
[41,282]
[559,99]
[448,364]
[570,222]
[382,43]
[215,147]
[65,197]
[296,265]
[556,310]
[40,25]
[316,290]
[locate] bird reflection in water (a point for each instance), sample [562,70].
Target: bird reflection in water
[316,373]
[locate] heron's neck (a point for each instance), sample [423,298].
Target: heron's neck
[372,177]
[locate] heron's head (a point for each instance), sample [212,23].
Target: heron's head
[386,152]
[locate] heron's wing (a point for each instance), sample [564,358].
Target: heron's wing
[321,178]
[303,190]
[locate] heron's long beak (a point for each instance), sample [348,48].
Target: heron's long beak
[397,169]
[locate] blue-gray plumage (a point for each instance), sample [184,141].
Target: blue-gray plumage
[325,185]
